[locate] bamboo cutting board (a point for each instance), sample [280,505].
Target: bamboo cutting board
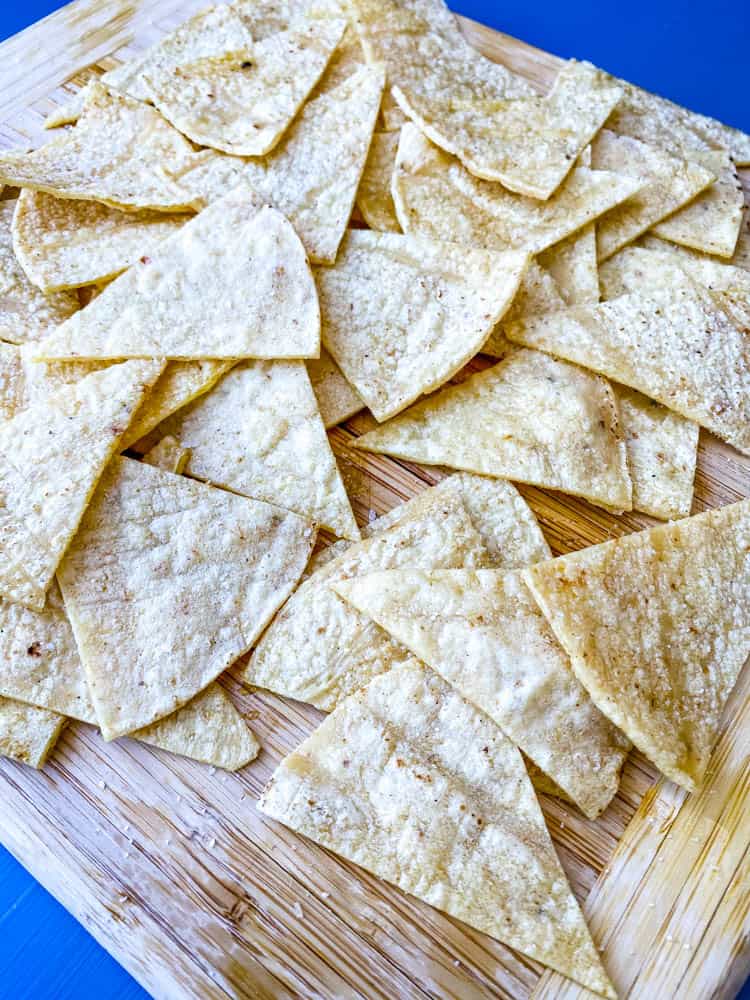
[171,868]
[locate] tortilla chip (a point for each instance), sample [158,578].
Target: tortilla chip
[243,100]
[116,154]
[657,626]
[337,399]
[401,315]
[319,649]
[391,115]
[12,381]
[435,196]
[483,633]
[61,243]
[667,183]
[51,456]
[168,454]
[259,433]
[233,282]
[529,418]
[28,734]
[573,265]
[374,198]
[711,222]
[175,615]
[409,781]
[313,174]
[674,344]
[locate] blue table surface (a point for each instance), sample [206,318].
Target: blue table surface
[694,54]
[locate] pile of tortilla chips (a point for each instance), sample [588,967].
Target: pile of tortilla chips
[189,301]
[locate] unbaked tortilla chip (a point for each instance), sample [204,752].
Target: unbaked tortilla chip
[51,456]
[674,344]
[168,454]
[28,734]
[259,433]
[410,781]
[233,282]
[61,243]
[319,649]
[435,196]
[191,574]
[482,631]
[374,198]
[118,154]
[529,418]
[26,313]
[337,399]
[401,315]
[667,183]
[657,626]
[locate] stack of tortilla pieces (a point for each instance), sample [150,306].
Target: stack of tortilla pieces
[185,277]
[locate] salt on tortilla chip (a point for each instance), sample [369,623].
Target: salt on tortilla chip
[337,399]
[26,313]
[168,454]
[530,418]
[657,626]
[374,198]
[667,183]
[482,631]
[318,649]
[28,734]
[61,243]
[435,196]
[410,781]
[259,433]
[711,222]
[400,315]
[51,456]
[12,381]
[117,154]
[674,344]
[243,100]
[313,174]
[178,613]
[233,282]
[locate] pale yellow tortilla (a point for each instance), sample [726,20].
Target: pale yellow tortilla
[191,574]
[400,315]
[374,198]
[657,626]
[28,734]
[409,781]
[337,399]
[529,418]
[483,633]
[233,282]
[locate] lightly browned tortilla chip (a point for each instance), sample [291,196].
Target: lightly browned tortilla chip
[409,781]
[657,626]
[28,734]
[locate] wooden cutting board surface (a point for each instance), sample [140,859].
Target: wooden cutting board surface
[172,869]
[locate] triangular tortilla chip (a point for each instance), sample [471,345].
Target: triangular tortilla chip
[374,198]
[28,734]
[155,624]
[319,649]
[409,781]
[657,626]
[243,100]
[401,315]
[12,381]
[259,433]
[168,454]
[674,344]
[62,243]
[739,259]
[652,262]
[51,456]
[711,222]
[337,399]
[483,633]
[26,313]
[435,196]
[117,154]
[667,183]
[233,282]
[313,174]
[530,418]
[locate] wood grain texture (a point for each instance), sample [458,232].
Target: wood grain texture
[172,869]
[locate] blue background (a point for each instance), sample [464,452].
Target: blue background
[694,53]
